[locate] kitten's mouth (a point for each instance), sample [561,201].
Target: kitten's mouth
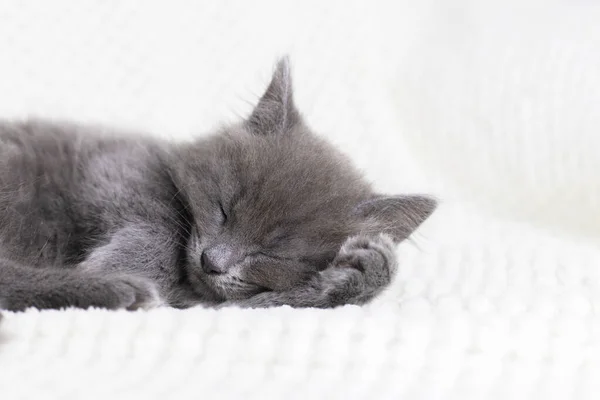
[229,286]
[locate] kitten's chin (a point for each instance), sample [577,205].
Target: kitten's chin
[224,286]
[231,288]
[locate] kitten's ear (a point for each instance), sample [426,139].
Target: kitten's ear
[275,113]
[397,216]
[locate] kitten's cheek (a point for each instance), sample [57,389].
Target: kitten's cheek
[194,253]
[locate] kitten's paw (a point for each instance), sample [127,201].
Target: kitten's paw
[364,266]
[133,293]
[374,256]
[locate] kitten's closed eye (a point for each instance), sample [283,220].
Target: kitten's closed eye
[264,253]
[224,215]
[275,237]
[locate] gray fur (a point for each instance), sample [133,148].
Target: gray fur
[261,213]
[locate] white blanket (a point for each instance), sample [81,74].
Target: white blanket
[492,106]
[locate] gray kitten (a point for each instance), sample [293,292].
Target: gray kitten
[262,213]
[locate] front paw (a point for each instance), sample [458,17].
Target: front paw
[364,266]
[131,293]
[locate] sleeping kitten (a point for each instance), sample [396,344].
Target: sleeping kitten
[262,213]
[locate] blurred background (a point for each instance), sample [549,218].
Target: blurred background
[490,102]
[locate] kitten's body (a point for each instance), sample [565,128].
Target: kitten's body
[255,215]
[70,193]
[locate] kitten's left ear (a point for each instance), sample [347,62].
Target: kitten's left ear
[397,216]
[275,113]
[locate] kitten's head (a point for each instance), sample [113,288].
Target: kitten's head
[272,203]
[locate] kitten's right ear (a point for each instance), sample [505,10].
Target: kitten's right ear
[275,113]
[397,216]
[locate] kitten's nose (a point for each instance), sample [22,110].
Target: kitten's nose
[218,258]
[209,266]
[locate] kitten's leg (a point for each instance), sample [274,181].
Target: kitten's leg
[144,250]
[22,287]
[364,266]
[135,269]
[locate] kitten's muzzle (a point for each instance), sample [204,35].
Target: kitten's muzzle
[217,259]
[208,266]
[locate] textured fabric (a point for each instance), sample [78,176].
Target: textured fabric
[492,106]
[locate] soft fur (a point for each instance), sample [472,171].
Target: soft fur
[262,213]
